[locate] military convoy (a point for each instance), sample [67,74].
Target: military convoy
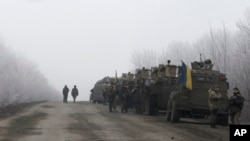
[163,91]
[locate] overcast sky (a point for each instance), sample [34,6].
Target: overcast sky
[77,42]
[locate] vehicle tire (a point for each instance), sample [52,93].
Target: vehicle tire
[175,115]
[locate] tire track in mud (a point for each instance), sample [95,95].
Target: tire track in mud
[102,125]
[140,128]
[156,128]
[83,127]
[91,124]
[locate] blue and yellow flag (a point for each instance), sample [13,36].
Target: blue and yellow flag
[186,77]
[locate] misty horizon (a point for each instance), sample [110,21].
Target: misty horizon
[80,42]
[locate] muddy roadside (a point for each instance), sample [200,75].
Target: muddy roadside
[94,122]
[19,126]
[14,109]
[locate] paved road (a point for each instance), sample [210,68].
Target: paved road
[84,121]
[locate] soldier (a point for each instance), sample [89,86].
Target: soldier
[213,101]
[116,97]
[138,96]
[111,95]
[124,95]
[105,94]
[65,94]
[236,102]
[74,93]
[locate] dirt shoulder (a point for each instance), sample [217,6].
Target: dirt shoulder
[11,110]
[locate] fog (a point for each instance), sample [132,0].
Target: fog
[78,42]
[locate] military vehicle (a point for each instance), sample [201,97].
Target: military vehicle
[194,103]
[159,87]
[128,79]
[97,92]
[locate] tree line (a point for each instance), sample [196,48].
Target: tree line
[21,80]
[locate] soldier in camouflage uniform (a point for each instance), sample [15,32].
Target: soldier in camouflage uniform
[236,102]
[111,95]
[138,98]
[214,101]
[124,97]
[105,94]
[116,97]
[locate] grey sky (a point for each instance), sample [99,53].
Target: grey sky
[81,41]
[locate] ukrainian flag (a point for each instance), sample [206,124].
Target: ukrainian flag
[186,77]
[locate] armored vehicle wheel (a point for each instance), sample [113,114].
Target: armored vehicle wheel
[175,115]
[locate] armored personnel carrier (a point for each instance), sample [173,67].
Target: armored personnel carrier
[194,103]
[159,87]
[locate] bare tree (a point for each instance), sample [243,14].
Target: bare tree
[144,58]
[177,51]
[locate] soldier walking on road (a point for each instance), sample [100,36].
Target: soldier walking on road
[236,102]
[74,93]
[65,94]
[214,101]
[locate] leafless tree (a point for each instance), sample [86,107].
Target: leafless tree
[177,51]
[144,58]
